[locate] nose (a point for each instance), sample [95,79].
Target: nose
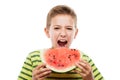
[63,33]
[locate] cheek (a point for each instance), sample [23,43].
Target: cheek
[53,35]
[71,35]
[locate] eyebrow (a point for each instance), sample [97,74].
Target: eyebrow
[60,26]
[56,25]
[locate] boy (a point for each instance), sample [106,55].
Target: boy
[61,28]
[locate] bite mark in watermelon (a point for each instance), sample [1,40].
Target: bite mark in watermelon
[60,59]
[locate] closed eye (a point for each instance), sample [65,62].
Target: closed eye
[69,28]
[56,28]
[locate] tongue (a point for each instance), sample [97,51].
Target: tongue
[62,44]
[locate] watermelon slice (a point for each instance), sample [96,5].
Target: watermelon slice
[60,59]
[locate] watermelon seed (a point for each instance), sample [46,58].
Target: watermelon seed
[75,55]
[59,60]
[60,65]
[73,49]
[51,61]
[69,57]
[53,56]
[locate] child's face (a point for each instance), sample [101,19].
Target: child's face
[62,31]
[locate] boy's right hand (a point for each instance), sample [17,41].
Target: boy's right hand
[40,72]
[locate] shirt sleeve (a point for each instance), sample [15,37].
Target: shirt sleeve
[26,72]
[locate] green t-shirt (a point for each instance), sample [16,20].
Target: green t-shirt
[33,60]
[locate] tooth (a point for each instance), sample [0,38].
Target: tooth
[62,40]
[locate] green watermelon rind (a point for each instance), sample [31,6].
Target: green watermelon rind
[53,69]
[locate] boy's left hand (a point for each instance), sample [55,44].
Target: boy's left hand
[85,70]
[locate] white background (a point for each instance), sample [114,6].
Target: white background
[22,25]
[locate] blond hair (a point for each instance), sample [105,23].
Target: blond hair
[60,9]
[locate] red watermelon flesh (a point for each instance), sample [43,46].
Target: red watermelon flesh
[60,59]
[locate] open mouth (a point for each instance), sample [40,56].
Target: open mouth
[62,43]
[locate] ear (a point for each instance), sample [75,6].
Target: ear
[76,32]
[47,32]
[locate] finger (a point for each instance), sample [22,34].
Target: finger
[84,61]
[77,71]
[39,74]
[40,66]
[43,70]
[42,78]
[81,67]
[81,73]
[44,74]
[85,64]
[36,70]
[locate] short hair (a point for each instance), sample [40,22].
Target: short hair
[60,9]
